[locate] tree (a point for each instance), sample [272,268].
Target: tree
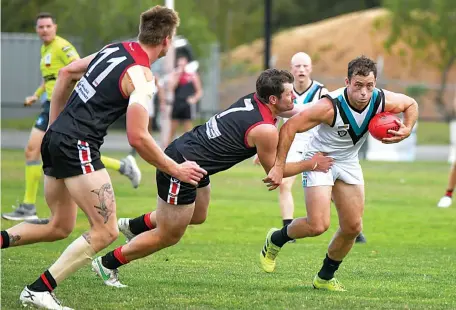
[427,26]
[101,22]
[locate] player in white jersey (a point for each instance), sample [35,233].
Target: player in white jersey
[342,118]
[306,91]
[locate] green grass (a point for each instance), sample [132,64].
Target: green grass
[409,261]
[433,133]
[25,123]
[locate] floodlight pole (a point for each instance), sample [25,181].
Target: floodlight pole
[267,33]
[165,115]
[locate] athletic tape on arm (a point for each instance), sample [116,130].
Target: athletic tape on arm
[144,90]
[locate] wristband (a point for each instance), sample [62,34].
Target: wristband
[315,167]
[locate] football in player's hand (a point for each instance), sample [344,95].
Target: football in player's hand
[381,123]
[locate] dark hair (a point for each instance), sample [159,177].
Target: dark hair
[45,15]
[156,24]
[270,83]
[361,66]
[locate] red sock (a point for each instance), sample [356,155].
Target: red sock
[141,224]
[120,257]
[147,220]
[449,193]
[114,259]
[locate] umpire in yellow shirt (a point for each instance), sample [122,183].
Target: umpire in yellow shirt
[56,53]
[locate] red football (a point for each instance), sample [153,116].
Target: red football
[381,123]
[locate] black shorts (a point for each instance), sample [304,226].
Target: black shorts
[172,190]
[64,156]
[182,111]
[42,121]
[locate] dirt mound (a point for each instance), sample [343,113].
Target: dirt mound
[332,43]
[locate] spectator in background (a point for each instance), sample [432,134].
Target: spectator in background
[187,92]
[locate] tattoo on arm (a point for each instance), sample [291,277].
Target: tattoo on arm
[106,199]
[86,236]
[14,239]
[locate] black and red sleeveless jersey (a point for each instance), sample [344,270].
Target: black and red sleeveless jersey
[222,141]
[98,100]
[185,87]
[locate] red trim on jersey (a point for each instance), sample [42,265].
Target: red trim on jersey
[267,118]
[46,282]
[121,78]
[138,54]
[264,110]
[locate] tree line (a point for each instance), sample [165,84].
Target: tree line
[424,25]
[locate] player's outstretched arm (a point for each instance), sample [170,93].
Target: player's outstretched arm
[139,84]
[265,139]
[29,100]
[64,85]
[397,103]
[320,112]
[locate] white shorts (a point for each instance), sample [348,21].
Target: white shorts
[294,154]
[452,155]
[349,172]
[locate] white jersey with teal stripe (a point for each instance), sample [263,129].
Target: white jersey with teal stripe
[311,95]
[343,139]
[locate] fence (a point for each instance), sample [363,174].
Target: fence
[20,74]
[20,71]
[425,93]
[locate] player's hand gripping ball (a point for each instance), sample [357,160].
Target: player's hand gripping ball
[381,123]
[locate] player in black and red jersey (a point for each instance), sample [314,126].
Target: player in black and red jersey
[238,133]
[114,81]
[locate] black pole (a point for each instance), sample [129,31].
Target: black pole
[267,33]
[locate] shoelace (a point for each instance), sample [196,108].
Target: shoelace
[272,252]
[336,283]
[115,274]
[21,208]
[55,298]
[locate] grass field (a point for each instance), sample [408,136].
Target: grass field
[409,261]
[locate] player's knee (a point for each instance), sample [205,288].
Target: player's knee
[59,232]
[285,187]
[352,229]
[105,235]
[319,227]
[171,237]
[31,152]
[198,219]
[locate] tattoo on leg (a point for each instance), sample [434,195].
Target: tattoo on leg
[86,236]
[106,198]
[14,239]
